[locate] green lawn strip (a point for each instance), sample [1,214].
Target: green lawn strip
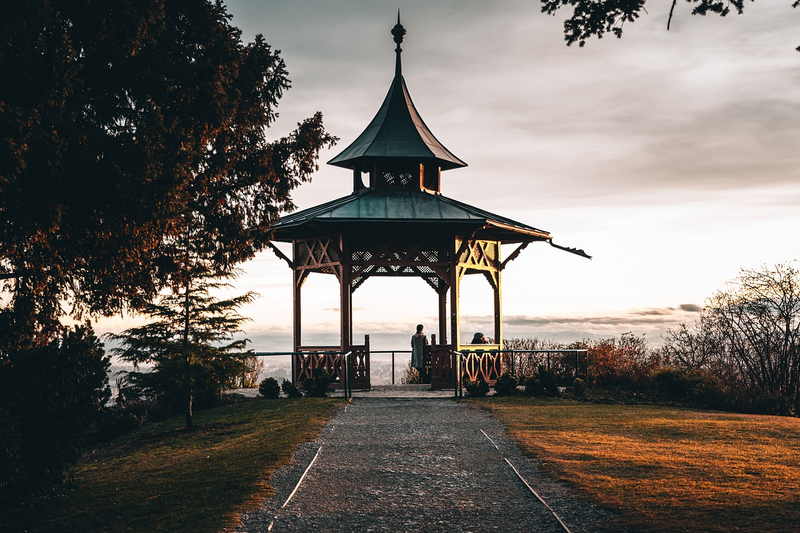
[666,468]
[166,478]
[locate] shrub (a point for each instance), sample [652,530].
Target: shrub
[579,387]
[477,388]
[410,375]
[533,387]
[317,386]
[675,383]
[627,360]
[290,390]
[269,388]
[548,381]
[52,399]
[506,384]
[771,404]
[688,385]
[118,420]
[542,383]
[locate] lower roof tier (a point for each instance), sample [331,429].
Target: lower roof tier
[398,208]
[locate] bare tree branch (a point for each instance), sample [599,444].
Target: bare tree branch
[671,9]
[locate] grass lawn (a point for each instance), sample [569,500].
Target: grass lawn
[665,468]
[165,478]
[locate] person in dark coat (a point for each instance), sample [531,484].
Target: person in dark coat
[418,343]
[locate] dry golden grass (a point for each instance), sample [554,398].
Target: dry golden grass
[667,469]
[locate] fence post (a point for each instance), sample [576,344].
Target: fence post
[576,365]
[344,374]
[392,367]
[349,375]
[587,367]
[456,374]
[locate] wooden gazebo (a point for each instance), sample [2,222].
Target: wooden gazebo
[396,222]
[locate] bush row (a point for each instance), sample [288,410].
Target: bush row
[629,369]
[314,387]
[541,383]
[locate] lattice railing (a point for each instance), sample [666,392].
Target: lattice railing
[359,370]
[401,257]
[485,365]
[306,360]
[331,359]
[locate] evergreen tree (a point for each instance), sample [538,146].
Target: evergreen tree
[190,346]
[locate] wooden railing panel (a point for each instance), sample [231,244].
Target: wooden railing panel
[442,371]
[481,365]
[310,359]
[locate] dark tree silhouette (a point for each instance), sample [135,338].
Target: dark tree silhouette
[122,124]
[117,121]
[598,17]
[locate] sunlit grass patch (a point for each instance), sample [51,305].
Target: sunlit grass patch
[164,477]
[667,469]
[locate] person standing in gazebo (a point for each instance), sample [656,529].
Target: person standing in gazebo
[418,342]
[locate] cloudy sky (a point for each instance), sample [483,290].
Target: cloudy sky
[671,157]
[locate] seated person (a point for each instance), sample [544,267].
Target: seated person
[479,338]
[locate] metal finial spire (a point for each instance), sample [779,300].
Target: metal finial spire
[398,32]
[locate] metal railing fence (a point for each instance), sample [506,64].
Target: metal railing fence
[393,352]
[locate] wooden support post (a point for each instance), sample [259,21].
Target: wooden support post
[498,311]
[455,282]
[442,317]
[297,308]
[345,298]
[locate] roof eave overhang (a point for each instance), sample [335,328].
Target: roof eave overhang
[531,233]
[364,162]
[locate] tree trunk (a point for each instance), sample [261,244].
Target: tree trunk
[189,412]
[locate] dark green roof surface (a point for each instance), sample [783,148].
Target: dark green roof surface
[397,131]
[404,205]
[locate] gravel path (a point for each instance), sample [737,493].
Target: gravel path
[416,465]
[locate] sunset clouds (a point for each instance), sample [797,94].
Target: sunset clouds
[671,157]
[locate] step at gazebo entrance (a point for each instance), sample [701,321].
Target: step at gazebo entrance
[396,222]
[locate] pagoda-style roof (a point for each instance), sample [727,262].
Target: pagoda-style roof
[397,131]
[402,207]
[404,161]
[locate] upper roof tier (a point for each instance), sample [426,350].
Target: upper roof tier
[397,131]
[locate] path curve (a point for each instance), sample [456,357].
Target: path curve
[392,464]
